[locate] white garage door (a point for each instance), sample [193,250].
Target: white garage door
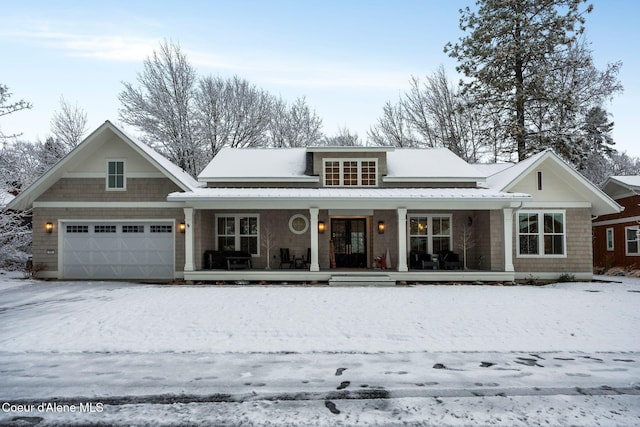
[117,250]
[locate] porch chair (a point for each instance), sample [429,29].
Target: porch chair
[307,261]
[285,258]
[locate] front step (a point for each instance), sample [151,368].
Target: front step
[362,280]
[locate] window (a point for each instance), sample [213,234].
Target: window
[633,240]
[609,239]
[541,233]
[350,173]
[115,175]
[133,228]
[161,229]
[77,228]
[104,228]
[238,233]
[429,233]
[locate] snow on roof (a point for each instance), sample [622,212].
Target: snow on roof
[250,164]
[501,180]
[488,169]
[629,180]
[428,163]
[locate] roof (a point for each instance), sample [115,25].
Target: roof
[351,197]
[257,164]
[25,199]
[289,164]
[488,169]
[508,178]
[433,164]
[619,186]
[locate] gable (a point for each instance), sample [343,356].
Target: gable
[89,160]
[562,186]
[94,163]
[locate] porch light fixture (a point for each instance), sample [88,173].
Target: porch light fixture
[321,227]
[182,227]
[48,227]
[381,227]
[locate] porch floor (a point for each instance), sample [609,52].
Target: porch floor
[361,276]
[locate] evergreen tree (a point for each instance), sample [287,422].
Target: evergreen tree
[519,56]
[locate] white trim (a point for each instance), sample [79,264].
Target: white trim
[618,221]
[556,205]
[610,232]
[626,241]
[306,224]
[124,174]
[429,235]
[541,233]
[341,161]
[314,262]
[237,234]
[351,212]
[107,205]
[189,262]
[402,240]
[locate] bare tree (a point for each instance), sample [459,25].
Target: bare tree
[432,113]
[344,138]
[294,126]
[393,128]
[69,124]
[6,109]
[162,106]
[232,113]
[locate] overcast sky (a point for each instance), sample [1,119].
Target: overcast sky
[346,57]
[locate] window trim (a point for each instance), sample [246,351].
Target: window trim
[237,235]
[430,217]
[626,241]
[124,175]
[341,161]
[610,238]
[541,234]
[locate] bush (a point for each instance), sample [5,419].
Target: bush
[566,277]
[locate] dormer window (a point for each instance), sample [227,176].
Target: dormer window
[115,175]
[350,172]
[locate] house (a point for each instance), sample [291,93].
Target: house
[616,237]
[115,209]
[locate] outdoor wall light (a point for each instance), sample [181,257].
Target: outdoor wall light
[182,227]
[381,227]
[48,227]
[321,227]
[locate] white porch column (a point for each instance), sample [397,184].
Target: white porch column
[508,239]
[313,213]
[402,239]
[189,264]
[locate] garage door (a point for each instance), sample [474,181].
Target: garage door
[122,250]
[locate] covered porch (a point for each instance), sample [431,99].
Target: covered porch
[343,238]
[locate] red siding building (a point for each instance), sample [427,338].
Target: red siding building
[616,237]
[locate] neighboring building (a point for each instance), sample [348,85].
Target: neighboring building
[616,237]
[115,209]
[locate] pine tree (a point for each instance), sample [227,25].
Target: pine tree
[513,55]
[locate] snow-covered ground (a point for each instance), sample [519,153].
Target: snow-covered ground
[281,355]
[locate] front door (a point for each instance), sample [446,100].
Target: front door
[349,237]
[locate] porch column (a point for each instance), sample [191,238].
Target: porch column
[508,239]
[313,213]
[402,239]
[189,265]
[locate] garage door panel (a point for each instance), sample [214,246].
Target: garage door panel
[124,251]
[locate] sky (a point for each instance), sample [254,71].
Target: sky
[346,57]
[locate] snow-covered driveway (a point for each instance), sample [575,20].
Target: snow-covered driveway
[449,355]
